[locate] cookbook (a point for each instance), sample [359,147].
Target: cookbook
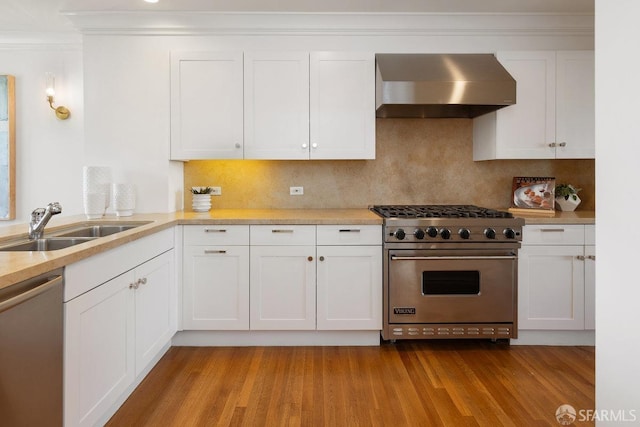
[533,194]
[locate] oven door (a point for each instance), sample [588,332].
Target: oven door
[451,286]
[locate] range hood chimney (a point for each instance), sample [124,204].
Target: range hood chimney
[441,85]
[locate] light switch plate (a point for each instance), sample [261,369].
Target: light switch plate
[216,191]
[296,191]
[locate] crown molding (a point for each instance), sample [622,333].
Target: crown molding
[364,24]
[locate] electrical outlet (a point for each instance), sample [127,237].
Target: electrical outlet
[296,191]
[216,191]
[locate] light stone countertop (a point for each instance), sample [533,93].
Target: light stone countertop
[575,217]
[18,266]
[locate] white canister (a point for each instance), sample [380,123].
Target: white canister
[123,199]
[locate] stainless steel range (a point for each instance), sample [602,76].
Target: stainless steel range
[450,271]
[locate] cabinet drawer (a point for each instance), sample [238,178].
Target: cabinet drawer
[216,235]
[589,234]
[349,235]
[283,234]
[553,234]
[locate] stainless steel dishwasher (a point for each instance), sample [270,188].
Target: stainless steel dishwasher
[31,346]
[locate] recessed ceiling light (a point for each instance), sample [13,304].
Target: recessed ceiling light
[151,1]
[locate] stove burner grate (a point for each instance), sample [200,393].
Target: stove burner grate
[438,211]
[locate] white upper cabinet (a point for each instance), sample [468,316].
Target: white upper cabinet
[343,119]
[575,105]
[272,105]
[276,105]
[554,112]
[206,105]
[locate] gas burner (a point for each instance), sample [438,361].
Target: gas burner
[438,211]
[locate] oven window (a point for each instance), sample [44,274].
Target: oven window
[450,282]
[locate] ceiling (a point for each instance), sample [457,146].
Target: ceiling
[44,16]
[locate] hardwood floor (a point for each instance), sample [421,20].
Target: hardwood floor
[421,383]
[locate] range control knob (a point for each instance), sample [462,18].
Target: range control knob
[509,233]
[432,232]
[419,233]
[445,233]
[490,233]
[399,234]
[464,233]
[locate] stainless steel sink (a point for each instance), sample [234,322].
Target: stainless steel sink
[45,244]
[96,230]
[71,235]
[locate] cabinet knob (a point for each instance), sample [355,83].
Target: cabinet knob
[552,144]
[581,257]
[563,144]
[142,281]
[321,258]
[310,258]
[238,145]
[305,146]
[133,285]
[592,257]
[314,145]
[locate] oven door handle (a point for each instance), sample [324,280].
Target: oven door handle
[445,258]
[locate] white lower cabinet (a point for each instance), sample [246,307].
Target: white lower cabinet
[283,277]
[216,278]
[268,277]
[114,333]
[555,279]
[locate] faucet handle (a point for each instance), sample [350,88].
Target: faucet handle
[54,208]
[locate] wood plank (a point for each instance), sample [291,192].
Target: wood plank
[434,383]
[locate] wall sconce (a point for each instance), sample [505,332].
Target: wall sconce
[61,112]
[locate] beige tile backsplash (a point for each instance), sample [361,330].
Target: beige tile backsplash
[418,161]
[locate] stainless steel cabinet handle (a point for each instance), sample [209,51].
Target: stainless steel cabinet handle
[552,230]
[281,231]
[31,293]
[215,230]
[349,230]
[212,251]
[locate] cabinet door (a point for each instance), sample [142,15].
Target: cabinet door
[283,287]
[206,105]
[575,105]
[155,308]
[343,116]
[349,289]
[551,287]
[590,287]
[525,130]
[216,287]
[99,350]
[276,105]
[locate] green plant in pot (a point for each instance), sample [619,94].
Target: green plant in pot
[201,199]
[567,198]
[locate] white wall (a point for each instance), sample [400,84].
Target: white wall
[617,250]
[49,151]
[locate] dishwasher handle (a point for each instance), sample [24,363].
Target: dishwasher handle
[36,289]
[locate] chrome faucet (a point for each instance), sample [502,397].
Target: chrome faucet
[40,217]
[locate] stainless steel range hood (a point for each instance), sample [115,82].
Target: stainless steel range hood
[441,85]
